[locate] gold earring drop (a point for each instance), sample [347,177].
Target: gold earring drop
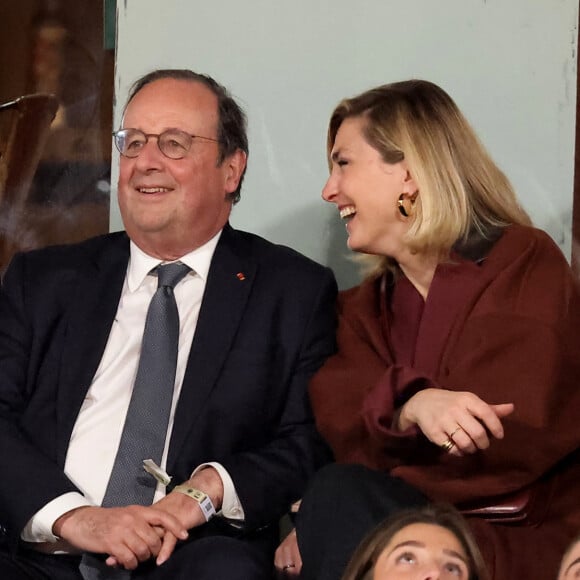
[405,206]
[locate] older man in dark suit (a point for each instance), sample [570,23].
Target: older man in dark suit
[255,322]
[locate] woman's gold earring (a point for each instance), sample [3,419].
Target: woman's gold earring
[405,206]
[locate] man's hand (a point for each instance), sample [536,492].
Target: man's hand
[186,509]
[129,535]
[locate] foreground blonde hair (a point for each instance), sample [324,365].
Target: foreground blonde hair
[361,565]
[462,192]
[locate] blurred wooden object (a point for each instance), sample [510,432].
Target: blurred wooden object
[24,128]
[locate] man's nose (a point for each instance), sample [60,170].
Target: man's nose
[150,156]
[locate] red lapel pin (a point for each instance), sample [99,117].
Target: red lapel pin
[240,276]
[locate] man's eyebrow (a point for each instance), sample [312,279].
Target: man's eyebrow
[576,561]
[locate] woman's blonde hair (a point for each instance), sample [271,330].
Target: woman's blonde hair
[361,565]
[462,193]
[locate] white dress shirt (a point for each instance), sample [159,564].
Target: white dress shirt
[97,432]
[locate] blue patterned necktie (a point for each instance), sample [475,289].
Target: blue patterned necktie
[145,428]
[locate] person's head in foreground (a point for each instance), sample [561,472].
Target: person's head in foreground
[423,544]
[410,177]
[570,566]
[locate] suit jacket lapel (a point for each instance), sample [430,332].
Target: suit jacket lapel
[229,282]
[95,290]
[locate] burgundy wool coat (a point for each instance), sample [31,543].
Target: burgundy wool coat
[507,328]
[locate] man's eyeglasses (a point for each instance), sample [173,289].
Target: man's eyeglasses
[173,143]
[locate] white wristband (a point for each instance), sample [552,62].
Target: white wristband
[205,503]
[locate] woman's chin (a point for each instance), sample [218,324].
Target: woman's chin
[358,247]
[352,245]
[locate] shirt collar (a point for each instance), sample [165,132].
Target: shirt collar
[140,263]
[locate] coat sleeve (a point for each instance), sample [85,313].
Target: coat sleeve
[30,478]
[358,390]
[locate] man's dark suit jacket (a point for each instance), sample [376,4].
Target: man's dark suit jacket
[266,324]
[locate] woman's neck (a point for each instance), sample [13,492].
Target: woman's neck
[419,270]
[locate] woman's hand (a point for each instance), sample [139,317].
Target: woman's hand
[460,422]
[287,560]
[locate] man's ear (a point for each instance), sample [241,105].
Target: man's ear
[234,165]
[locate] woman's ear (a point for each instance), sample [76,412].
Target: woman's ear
[410,188]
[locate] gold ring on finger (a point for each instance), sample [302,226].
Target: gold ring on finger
[448,445]
[455,431]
